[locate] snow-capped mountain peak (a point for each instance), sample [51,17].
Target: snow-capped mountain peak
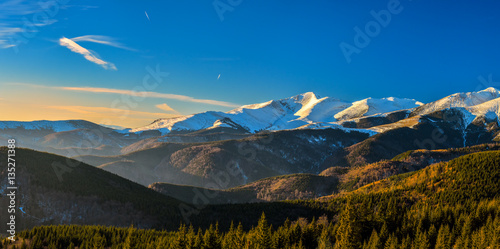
[467,99]
[289,113]
[372,106]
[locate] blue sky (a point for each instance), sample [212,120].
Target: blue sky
[83,58]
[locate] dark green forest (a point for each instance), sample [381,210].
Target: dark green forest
[454,204]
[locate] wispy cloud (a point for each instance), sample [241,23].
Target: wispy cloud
[150,95]
[103,111]
[14,20]
[147,15]
[101,39]
[102,115]
[178,97]
[73,46]
[163,106]
[6,34]
[80,7]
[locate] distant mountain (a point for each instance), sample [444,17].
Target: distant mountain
[252,158]
[45,125]
[298,111]
[330,181]
[468,99]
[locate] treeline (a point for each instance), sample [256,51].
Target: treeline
[364,222]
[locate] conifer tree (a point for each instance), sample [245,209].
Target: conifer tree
[98,242]
[324,240]
[210,239]
[348,234]
[443,240]
[391,242]
[129,240]
[263,234]
[374,241]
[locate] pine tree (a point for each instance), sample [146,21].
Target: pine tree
[210,239]
[432,234]
[129,240]
[324,240]
[198,240]
[190,237]
[384,233]
[391,242]
[406,243]
[348,234]
[263,234]
[98,242]
[374,241]
[443,240]
[422,240]
[180,238]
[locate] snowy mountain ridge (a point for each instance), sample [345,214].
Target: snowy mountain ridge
[303,110]
[468,99]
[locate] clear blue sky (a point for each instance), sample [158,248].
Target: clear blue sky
[262,50]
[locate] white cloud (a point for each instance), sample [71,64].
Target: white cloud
[150,95]
[101,39]
[178,97]
[73,46]
[164,107]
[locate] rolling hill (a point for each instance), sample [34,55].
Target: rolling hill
[57,190]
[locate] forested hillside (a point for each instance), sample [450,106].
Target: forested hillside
[453,204]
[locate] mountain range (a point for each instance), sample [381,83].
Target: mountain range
[301,134]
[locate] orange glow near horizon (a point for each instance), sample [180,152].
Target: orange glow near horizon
[25,103]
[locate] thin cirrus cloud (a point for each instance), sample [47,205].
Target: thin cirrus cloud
[163,106]
[103,115]
[18,22]
[150,95]
[101,39]
[75,47]
[178,97]
[100,111]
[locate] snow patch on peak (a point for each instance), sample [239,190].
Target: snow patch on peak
[468,99]
[489,110]
[371,106]
[491,90]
